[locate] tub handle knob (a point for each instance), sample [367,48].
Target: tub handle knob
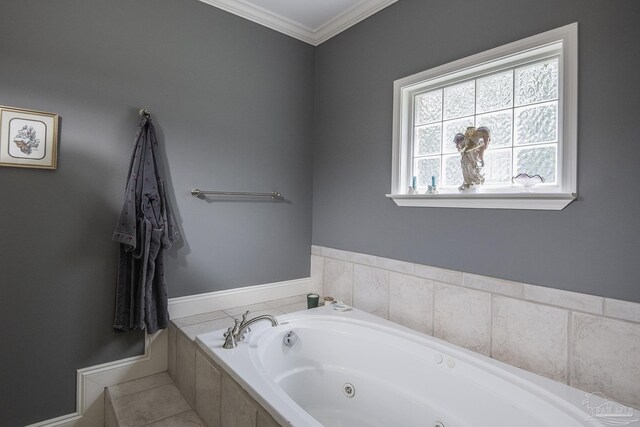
[242,323]
[230,337]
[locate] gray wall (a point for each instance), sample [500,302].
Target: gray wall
[233,103]
[590,246]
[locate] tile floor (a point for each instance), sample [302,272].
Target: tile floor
[152,401]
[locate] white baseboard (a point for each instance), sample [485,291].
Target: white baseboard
[92,381]
[220,300]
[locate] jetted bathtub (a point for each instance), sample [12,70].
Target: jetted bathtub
[354,369]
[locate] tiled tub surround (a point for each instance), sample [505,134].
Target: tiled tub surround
[589,342]
[206,387]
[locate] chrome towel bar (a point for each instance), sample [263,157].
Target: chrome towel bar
[197,193]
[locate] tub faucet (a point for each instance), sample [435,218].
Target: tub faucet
[237,332]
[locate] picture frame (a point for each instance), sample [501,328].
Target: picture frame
[28,138]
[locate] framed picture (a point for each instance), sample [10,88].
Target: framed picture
[28,139]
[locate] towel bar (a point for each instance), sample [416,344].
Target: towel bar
[197,193]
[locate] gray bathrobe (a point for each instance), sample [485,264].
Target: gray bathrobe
[145,229]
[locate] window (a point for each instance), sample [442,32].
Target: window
[525,93]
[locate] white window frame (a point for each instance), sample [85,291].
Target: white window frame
[562,41]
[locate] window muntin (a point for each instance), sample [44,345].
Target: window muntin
[519,104]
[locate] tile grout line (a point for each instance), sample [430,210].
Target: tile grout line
[433,309]
[569,346]
[491,311]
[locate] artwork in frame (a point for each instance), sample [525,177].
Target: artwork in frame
[28,139]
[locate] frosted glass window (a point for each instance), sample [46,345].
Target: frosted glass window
[537,124]
[459,100]
[495,92]
[428,107]
[453,171]
[426,168]
[519,105]
[537,82]
[428,140]
[497,166]
[538,160]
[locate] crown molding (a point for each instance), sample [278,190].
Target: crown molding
[350,18]
[313,36]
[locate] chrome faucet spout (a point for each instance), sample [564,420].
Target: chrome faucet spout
[237,332]
[245,325]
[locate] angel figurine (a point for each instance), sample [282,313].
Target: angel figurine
[471,146]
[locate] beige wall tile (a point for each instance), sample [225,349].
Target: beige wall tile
[371,290]
[439,274]
[624,310]
[185,377]
[358,258]
[333,253]
[605,357]
[265,420]
[572,300]
[496,286]
[397,266]
[531,336]
[238,409]
[171,350]
[316,273]
[338,280]
[411,302]
[208,388]
[463,317]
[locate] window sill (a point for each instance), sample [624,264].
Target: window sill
[529,201]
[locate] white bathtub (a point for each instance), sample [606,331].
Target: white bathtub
[399,377]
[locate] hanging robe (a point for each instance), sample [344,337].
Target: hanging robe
[146,228]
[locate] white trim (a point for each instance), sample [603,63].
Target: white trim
[313,36]
[92,381]
[541,44]
[220,300]
[349,18]
[528,201]
[69,420]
